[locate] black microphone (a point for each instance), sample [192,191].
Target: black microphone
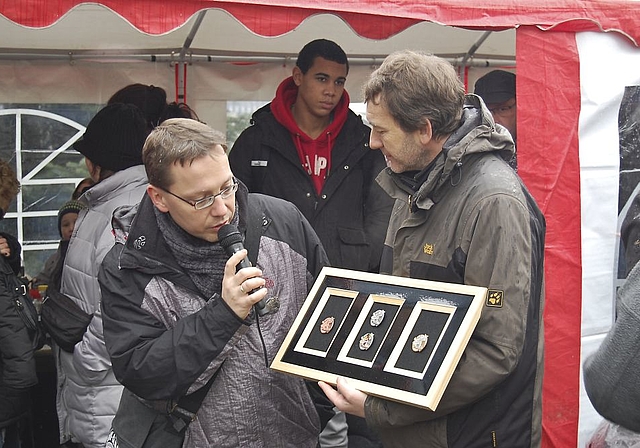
[231,241]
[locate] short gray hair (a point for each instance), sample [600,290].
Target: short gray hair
[416,87]
[179,140]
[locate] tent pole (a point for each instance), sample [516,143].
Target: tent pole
[475,47]
[154,56]
[181,66]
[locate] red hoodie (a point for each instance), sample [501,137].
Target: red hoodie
[315,155]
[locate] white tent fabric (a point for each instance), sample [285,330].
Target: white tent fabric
[91,52]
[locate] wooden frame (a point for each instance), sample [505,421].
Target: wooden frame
[394,337]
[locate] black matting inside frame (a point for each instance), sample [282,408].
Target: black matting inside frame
[435,323]
[336,308]
[375,374]
[379,332]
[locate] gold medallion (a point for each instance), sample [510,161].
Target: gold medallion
[365,341]
[419,342]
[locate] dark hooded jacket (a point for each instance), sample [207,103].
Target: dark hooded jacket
[166,340]
[17,361]
[351,212]
[473,222]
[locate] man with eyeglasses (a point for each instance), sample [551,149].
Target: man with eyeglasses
[498,91]
[179,319]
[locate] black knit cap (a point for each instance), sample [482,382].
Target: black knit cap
[114,137]
[151,100]
[496,86]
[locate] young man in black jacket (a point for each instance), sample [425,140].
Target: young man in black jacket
[309,148]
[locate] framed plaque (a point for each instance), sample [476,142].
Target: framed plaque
[394,337]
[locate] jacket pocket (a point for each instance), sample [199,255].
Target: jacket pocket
[354,249]
[138,426]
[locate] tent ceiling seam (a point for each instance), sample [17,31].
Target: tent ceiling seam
[169,56]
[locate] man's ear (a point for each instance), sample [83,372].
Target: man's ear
[425,132]
[157,197]
[297,75]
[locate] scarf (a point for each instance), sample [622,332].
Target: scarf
[202,260]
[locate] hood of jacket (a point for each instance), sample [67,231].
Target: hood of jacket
[144,248]
[121,183]
[286,95]
[314,153]
[477,134]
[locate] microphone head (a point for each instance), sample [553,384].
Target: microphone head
[229,235]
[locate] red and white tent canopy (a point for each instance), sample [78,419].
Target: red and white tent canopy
[574,60]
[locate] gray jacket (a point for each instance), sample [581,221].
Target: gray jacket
[167,340]
[612,373]
[472,221]
[88,393]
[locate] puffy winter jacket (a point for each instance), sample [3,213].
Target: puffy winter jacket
[473,222]
[167,340]
[611,373]
[88,393]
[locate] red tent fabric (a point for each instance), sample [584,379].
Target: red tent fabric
[554,179]
[547,64]
[369,18]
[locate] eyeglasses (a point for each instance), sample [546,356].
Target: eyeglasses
[501,110]
[225,193]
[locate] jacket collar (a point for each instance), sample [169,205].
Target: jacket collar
[119,183]
[476,134]
[351,143]
[145,249]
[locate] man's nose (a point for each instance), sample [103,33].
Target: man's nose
[218,207]
[330,89]
[374,141]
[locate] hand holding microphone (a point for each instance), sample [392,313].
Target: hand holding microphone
[231,241]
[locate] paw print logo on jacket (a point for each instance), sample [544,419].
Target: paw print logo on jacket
[494,298]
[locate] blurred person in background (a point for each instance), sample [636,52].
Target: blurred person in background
[152,101]
[88,393]
[17,361]
[498,91]
[52,270]
[612,373]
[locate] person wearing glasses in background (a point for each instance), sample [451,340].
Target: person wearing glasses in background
[177,314]
[498,91]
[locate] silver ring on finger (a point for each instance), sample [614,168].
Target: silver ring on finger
[242,289]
